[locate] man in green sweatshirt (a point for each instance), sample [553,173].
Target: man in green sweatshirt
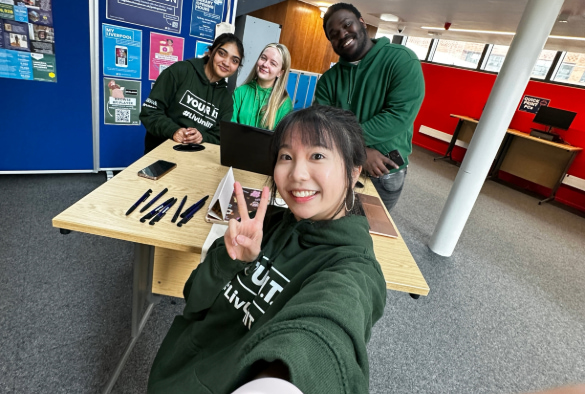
[383,85]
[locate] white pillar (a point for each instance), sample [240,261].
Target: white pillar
[535,26]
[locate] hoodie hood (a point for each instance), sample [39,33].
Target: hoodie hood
[199,66]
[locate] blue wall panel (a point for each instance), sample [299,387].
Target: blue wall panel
[47,125]
[122,145]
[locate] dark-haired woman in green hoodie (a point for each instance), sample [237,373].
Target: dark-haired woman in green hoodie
[291,293]
[190,98]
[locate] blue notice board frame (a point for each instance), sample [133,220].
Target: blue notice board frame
[47,126]
[120,145]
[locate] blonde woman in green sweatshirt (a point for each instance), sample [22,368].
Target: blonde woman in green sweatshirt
[262,101]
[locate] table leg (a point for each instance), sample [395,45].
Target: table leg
[451,143]
[493,173]
[141,296]
[560,181]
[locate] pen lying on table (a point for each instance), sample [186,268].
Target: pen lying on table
[144,208]
[192,211]
[156,210]
[162,212]
[140,201]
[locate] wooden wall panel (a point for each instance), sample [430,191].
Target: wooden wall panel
[372,30]
[302,33]
[275,13]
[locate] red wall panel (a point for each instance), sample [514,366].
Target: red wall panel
[452,90]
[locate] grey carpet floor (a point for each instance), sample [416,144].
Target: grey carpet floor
[506,313]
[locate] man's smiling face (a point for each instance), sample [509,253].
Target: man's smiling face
[348,35]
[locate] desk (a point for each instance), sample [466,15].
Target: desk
[540,161]
[165,254]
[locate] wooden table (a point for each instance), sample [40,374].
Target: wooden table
[537,160]
[166,254]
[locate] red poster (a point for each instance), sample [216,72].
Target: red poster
[164,51]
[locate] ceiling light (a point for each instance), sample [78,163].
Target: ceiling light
[389,18]
[564,17]
[505,33]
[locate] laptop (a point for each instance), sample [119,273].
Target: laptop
[245,147]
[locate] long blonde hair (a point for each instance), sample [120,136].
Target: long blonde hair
[279,94]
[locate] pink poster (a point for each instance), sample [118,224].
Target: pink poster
[164,51]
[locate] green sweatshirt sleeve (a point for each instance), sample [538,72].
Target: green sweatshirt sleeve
[403,100]
[284,110]
[153,114]
[321,333]
[208,279]
[238,99]
[226,111]
[323,93]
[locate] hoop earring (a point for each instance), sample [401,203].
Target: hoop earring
[352,201]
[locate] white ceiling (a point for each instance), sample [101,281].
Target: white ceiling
[498,15]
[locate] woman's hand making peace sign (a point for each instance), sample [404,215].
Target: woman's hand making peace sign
[243,239]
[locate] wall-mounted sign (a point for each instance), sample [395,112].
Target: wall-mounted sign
[157,14]
[164,51]
[532,104]
[121,102]
[204,16]
[122,51]
[201,48]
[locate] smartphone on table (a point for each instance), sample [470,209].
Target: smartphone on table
[156,170]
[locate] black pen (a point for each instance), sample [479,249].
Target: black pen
[193,212]
[140,201]
[188,210]
[155,210]
[179,210]
[162,212]
[154,200]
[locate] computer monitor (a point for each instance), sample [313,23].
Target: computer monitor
[554,118]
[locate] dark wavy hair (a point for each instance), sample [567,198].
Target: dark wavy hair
[220,41]
[332,128]
[336,7]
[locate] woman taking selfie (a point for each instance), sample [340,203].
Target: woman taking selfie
[262,101]
[290,293]
[190,98]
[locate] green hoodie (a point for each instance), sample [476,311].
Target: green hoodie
[248,102]
[182,96]
[310,300]
[385,91]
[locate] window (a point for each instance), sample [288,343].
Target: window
[419,45]
[390,36]
[497,54]
[572,69]
[458,53]
[543,64]
[495,58]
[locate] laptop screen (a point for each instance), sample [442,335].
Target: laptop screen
[245,147]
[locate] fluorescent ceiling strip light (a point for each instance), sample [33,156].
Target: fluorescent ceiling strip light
[504,33]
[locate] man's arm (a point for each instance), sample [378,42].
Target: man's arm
[153,113]
[323,92]
[403,100]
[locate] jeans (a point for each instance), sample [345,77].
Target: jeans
[389,187]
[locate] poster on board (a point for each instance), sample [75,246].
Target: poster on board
[121,102]
[164,51]
[44,67]
[532,104]
[204,16]
[201,48]
[27,39]
[156,14]
[122,48]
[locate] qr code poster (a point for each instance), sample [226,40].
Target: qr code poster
[121,102]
